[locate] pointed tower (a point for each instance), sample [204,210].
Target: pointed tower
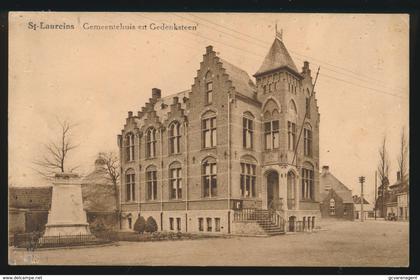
[290,164]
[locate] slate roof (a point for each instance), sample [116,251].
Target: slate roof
[328,179]
[240,79]
[277,57]
[358,199]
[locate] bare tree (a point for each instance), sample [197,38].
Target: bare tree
[384,164]
[55,156]
[383,170]
[403,157]
[112,166]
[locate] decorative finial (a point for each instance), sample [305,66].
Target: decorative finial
[279,35]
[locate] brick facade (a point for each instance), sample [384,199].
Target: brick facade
[222,97]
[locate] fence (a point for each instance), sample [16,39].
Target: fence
[34,240]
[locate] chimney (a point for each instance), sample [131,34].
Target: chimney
[325,169]
[156,93]
[130,114]
[209,49]
[398,176]
[305,69]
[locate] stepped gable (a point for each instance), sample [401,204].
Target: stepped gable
[276,58]
[171,106]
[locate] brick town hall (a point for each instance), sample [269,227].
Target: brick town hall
[221,157]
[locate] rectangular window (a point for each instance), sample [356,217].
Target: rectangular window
[130,147]
[209,224]
[307,184]
[175,183]
[217,224]
[151,178]
[171,223]
[291,132]
[209,132]
[200,224]
[151,143]
[307,142]
[248,133]
[248,179]
[209,93]
[178,224]
[209,179]
[174,138]
[271,135]
[130,187]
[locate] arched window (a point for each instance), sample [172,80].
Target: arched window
[332,207]
[208,127]
[129,147]
[271,125]
[209,177]
[248,130]
[175,181]
[151,183]
[151,143]
[307,182]
[209,88]
[307,140]
[174,138]
[130,185]
[248,179]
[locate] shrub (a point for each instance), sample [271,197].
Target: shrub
[151,225]
[140,225]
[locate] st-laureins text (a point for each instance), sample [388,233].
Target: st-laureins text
[44,25]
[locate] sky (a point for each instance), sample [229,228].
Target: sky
[94,77]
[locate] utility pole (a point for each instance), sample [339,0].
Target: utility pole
[376,204]
[361,180]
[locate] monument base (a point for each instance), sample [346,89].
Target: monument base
[66,229]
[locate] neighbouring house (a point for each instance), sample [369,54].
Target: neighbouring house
[397,203]
[215,156]
[368,212]
[336,199]
[29,206]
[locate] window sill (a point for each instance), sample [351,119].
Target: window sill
[307,200]
[150,158]
[209,198]
[209,148]
[271,150]
[248,149]
[175,154]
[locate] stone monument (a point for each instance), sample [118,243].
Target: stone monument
[67,216]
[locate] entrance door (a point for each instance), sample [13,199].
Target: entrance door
[273,190]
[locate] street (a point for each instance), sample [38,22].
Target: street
[339,243]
